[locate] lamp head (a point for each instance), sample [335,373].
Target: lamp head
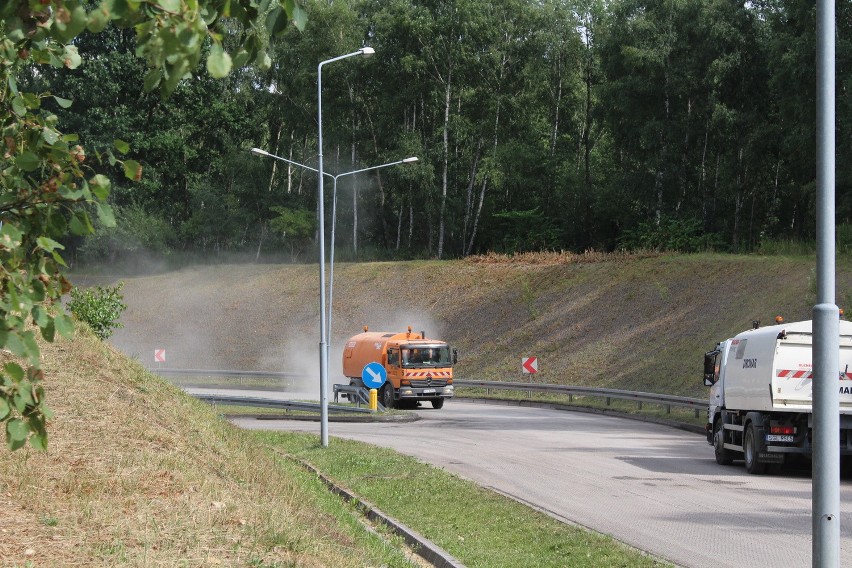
[367,51]
[411,160]
[259,152]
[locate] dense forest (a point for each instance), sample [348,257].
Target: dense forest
[539,125]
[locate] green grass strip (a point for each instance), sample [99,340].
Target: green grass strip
[479,527]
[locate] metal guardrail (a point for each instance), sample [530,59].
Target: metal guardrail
[283,404]
[666,400]
[223,373]
[361,395]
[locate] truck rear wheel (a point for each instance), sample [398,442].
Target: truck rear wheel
[723,456]
[750,452]
[387,396]
[438,403]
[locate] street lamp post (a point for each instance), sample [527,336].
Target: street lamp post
[264,153]
[411,160]
[327,328]
[366,51]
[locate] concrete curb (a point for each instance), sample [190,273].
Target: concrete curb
[334,417]
[424,547]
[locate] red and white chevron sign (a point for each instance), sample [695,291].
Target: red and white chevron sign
[159,355]
[529,365]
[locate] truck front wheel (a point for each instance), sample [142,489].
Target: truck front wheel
[750,452]
[723,456]
[387,395]
[437,403]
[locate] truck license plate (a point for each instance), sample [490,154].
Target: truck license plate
[778,438]
[428,391]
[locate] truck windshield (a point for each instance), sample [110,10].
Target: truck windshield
[426,356]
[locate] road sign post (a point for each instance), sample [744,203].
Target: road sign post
[374,375]
[529,365]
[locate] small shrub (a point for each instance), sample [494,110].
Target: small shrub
[671,234]
[99,307]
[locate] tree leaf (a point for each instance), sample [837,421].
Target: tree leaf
[219,62]
[40,316]
[105,215]
[132,170]
[172,6]
[18,106]
[152,79]
[14,370]
[299,16]
[39,441]
[64,103]
[49,244]
[4,409]
[27,161]
[64,325]
[23,397]
[48,332]
[98,20]
[100,185]
[71,58]
[50,136]
[10,236]
[16,433]
[122,146]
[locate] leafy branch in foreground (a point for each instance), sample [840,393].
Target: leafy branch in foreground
[46,191]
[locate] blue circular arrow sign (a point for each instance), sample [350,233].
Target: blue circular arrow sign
[374,375]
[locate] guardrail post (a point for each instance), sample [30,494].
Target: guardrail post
[668,409]
[696,413]
[640,405]
[607,401]
[570,398]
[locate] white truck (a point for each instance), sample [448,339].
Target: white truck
[760,394]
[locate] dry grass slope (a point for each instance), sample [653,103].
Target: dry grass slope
[138,474]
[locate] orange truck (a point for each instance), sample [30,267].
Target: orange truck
[418,369]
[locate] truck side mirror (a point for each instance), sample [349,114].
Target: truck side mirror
[455,356]
[710,368]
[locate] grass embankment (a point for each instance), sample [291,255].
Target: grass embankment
[633,322]
[139,474]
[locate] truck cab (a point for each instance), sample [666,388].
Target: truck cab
[418,368]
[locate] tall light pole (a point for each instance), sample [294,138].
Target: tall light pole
[366,51]
[327,330]
[825,482]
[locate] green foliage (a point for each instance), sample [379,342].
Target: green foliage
[100,308]
[525,231]
[296,226]
[50,187]
[135,232]
[670,234]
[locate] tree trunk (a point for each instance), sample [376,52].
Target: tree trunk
[468,206]
[260,241]
[444,178]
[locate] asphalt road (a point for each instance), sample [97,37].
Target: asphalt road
[653,487]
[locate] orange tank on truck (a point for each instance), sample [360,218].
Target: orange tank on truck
[418,368]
